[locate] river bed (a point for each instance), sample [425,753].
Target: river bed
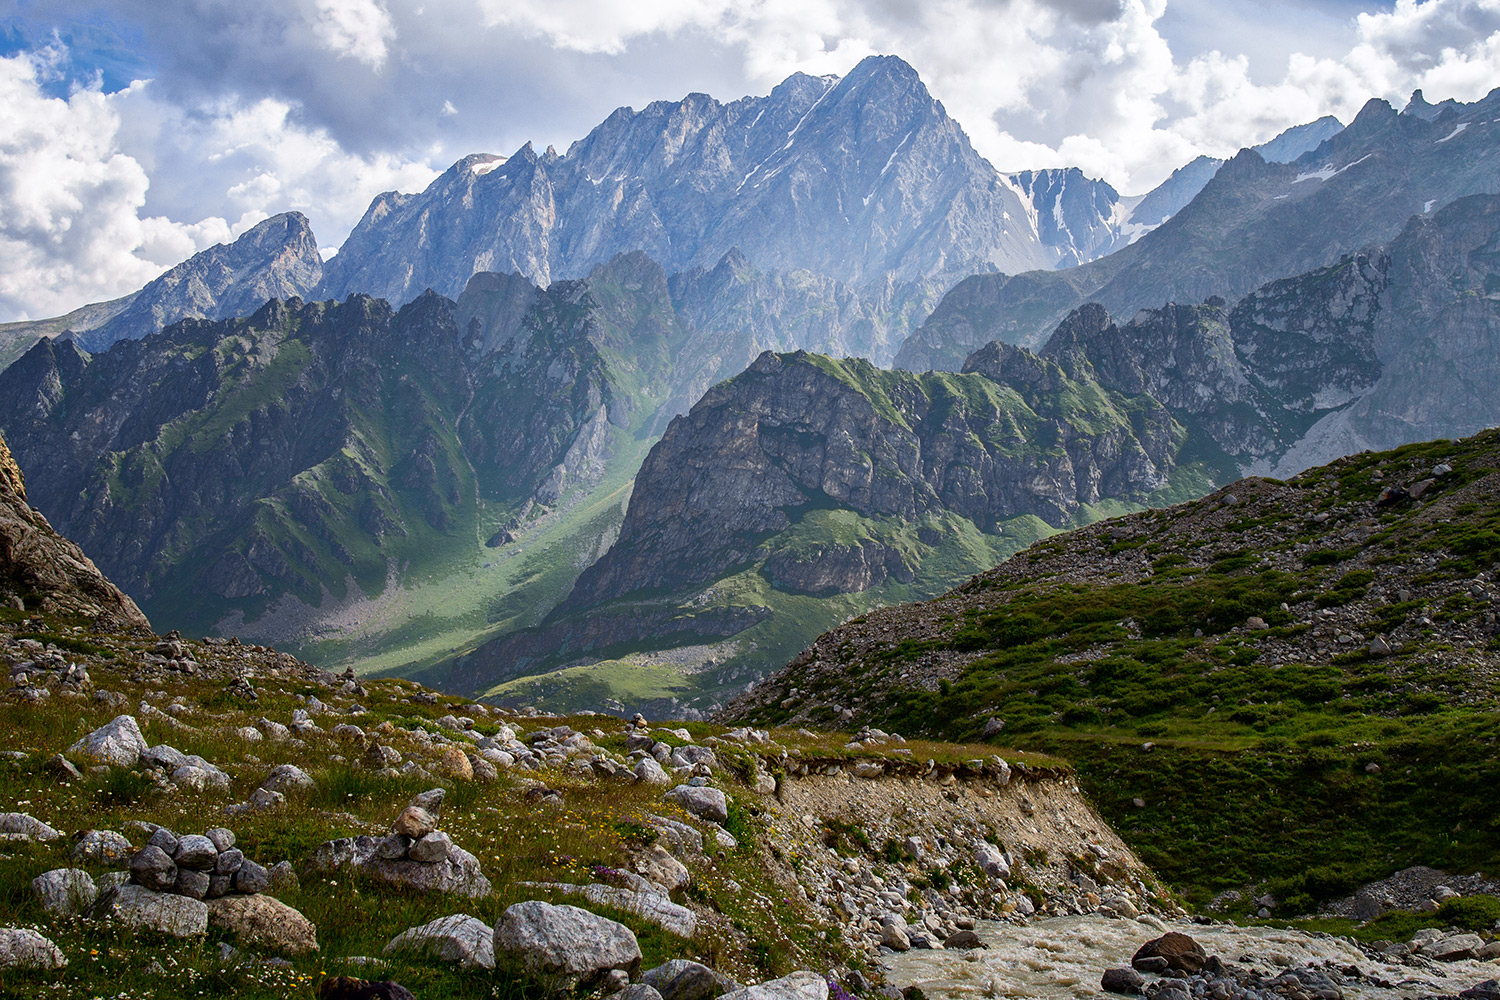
[1062,958]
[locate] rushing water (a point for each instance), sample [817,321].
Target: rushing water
[1062,958]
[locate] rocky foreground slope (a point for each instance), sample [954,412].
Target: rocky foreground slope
[1290,686]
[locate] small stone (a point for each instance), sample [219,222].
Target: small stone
[251,878]
[287,779]
[431,848]
[163,838]
[222,839]
[102,847]
[191,882]
[283,878]
[393,847]
[62,768]
[153,868]
[195,851]
[1126,981]
[229,861]
[414,822]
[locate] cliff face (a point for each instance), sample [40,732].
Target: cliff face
[795,433]
[43,571]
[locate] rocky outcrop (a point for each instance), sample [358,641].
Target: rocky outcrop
[797,433]
[852,178]
[1255,221]
[42,569]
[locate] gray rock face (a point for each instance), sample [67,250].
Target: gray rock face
[565,941]
[705,803]
[459,938]
[650,772]
[276,259]
[64,891]
[25,948]
[853,178]
[118,742]
[139,908]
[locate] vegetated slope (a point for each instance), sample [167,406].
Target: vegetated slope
[808,489]
[1254,222]
[276,259]
[390,486]
[1291,684]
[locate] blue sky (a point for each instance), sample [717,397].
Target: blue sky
[143,130]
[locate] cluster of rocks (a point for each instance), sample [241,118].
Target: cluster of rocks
[1186,972]
[200,866]
[570,948]
[119,743]
[1418,889]
[415,854]
[44,667]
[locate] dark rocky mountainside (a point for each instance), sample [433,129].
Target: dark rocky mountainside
[42,570]
[855,178]
[276,259]
[808,477]
[1254,222]
[1287,684]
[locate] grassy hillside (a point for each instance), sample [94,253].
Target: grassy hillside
[1292,685]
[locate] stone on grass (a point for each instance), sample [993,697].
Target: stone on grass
[24,947]
[681,979]
[657,864]
[455,764]
[634,991]
[457,874]
[287,779]
[27,825]
[118,742]
[650,772]
[264,922]
[282,878]
[459,938]
[797,986]
[703,802]
[566,942]
[141,909]
[266,799]
[65,891]
[101,847]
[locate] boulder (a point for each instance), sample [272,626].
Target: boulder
[457,874]
[797,986]
[141,909]
[101,847]
[658,865]
[191,882]
[963,940]
[26,825]
[703,802]
[893,936]
[990,860]
[1126,981]
[264,922]
[64,891]
[680,979]
[195,851]
[152,868]
[118,742]
[566,942]
[1453,947]
[251,878]
[455,764]
[633,991]
[288,779]
[1180,951]
[414,822]
[459,938]
[24,947]
[649,771]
